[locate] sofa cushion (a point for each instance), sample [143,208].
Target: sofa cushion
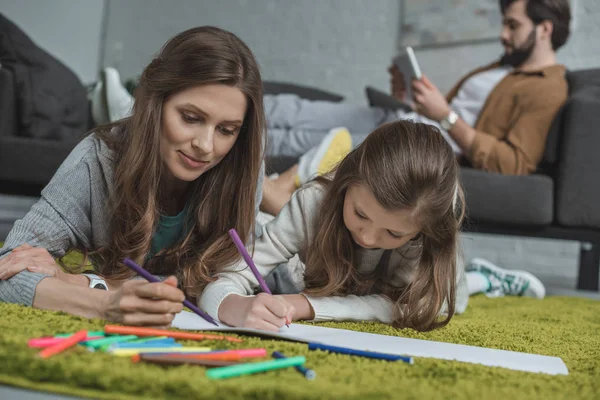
[305,92]
[377,98]
[577,188]
[8,106]
[51,101]
[508,200]
[579,82]
[32,161]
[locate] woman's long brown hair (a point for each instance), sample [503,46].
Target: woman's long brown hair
[220,199]
[407,166]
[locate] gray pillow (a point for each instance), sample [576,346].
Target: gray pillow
[305,92]
[377,98]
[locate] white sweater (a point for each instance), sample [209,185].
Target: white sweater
[287,235]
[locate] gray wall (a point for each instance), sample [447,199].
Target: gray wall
[445,65]
[69,30]
[340,45]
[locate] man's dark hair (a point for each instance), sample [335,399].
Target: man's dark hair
[556,11]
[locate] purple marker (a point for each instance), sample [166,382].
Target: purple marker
[242,249]
[151,278]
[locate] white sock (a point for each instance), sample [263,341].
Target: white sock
[477,282]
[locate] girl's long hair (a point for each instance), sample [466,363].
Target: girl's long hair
[407,166]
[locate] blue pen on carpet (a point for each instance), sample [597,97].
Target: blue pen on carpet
[360,353]
[308,373]
[168,343]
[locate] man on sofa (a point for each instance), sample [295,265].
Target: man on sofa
[497,117]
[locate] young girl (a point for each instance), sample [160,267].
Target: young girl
[161,187]
[378,240]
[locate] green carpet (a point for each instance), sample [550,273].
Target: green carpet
[563,327]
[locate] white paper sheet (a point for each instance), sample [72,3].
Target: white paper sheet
[392,345]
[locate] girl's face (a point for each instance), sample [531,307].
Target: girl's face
[371,225]
[199,127]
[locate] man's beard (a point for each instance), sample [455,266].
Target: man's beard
[520,54]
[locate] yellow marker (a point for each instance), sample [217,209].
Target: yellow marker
[161,350]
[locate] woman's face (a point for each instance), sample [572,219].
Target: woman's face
[199,127]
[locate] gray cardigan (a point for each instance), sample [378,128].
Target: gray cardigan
[70,213]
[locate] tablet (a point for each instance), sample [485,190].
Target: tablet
[408,64]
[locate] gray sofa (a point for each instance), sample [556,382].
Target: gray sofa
[562,199]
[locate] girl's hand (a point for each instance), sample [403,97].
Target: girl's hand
[139,302]
[33,259]
[263,311]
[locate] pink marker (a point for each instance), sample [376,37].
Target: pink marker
[51,341]
[247,353]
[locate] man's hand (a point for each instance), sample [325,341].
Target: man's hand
[429,101]
[398,87]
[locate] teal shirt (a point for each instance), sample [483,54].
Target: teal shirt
[170,231]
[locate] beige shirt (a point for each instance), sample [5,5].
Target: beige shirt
[287,235]
[511,130]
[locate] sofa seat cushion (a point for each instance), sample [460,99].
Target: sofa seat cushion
[508,200]
[32,161]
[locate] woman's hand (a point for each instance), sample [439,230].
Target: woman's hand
[139,302]
[263,311]
[33,259]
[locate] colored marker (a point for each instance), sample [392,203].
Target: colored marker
[242,250]
[162,350]
[140,331]
[150,339]
[252,368]
[90,334]
[167,342]
[229,355]
[360,353]
[94,345]
[51,341]
[308,373]
[62,346]
[180,361]
[151,278]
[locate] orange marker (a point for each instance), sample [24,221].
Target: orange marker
[230,355]
[65,344]
[140,331]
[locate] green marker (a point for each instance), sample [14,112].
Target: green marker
[109,346]
[147,339]
[90,334]
[251,368]
[98,343]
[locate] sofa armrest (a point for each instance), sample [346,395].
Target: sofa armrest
[577,180]
[8,106]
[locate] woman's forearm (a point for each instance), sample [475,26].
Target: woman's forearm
[54,294]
